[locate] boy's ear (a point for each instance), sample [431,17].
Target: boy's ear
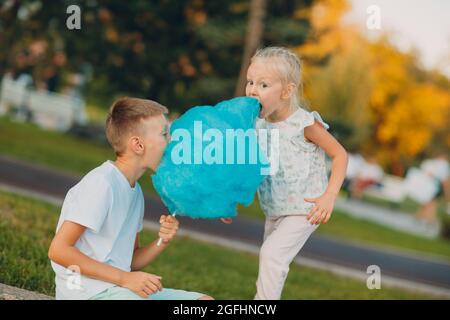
[136,145]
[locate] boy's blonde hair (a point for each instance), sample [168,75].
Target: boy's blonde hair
[124,118]
[288,67]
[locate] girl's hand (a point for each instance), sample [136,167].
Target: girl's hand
[168,227]
[226,220]
[321,212]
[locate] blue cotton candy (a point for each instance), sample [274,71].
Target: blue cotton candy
[213,190]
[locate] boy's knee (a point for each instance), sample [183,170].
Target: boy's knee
[205,297]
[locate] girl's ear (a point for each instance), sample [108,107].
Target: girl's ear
[288,91]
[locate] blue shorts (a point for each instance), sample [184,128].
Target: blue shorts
[120,293]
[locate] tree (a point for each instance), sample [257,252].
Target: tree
[409,107]
[377,99]
[255,29]
[179,52]
[335,73]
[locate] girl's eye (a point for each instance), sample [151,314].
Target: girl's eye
[249,82]
[264,85]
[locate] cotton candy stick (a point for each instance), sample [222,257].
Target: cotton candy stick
[161,239]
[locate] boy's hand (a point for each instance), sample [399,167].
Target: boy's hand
[321,212]
[226,220]
[141,283]
[168,228]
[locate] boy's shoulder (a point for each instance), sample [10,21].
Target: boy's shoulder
[94,190]
[98,178]
[105,171]
[105,176]
[103,179]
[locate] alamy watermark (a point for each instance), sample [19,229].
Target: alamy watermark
[239,146]
[73,21]
[373,21]
[374,280]
[73,281]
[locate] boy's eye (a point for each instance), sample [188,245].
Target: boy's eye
[264,85]
[249,82]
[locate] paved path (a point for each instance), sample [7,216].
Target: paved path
[426,272]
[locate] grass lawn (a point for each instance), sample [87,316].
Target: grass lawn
[53,149]
[96,114]
[407,205]
[30,143]
[343,226]
[27,227]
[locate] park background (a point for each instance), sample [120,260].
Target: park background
[380,98]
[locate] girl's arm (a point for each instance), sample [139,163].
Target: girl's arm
[63,251]
[324,204]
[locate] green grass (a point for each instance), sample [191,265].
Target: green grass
[53,149]
[27,142]
[27,227]
[343,226]
[95,113]
[406,206]
[71,154]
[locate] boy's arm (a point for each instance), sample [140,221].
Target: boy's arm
[145,255]
[63,251]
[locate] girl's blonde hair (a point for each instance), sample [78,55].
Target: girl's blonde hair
[288,67]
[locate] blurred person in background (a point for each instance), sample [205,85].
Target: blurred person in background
[369,173]
[438,170]
[355,164]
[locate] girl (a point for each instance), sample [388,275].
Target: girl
[298,197]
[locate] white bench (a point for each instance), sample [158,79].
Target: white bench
[54,111]
[392,189]
[49,110]
[12,93]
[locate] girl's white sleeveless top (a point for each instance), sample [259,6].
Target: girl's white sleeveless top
[302,170]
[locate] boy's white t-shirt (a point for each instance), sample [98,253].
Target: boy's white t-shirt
[112,211]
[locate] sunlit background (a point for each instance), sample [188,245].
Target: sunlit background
[377,71]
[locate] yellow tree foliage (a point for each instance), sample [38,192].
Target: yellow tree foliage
[335,77]
[413,117]
[326,29]
[374,85]
[406,110]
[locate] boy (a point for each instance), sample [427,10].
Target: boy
[98,231]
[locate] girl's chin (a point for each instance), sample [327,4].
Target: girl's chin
[262,113]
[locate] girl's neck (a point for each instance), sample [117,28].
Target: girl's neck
[281,114]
